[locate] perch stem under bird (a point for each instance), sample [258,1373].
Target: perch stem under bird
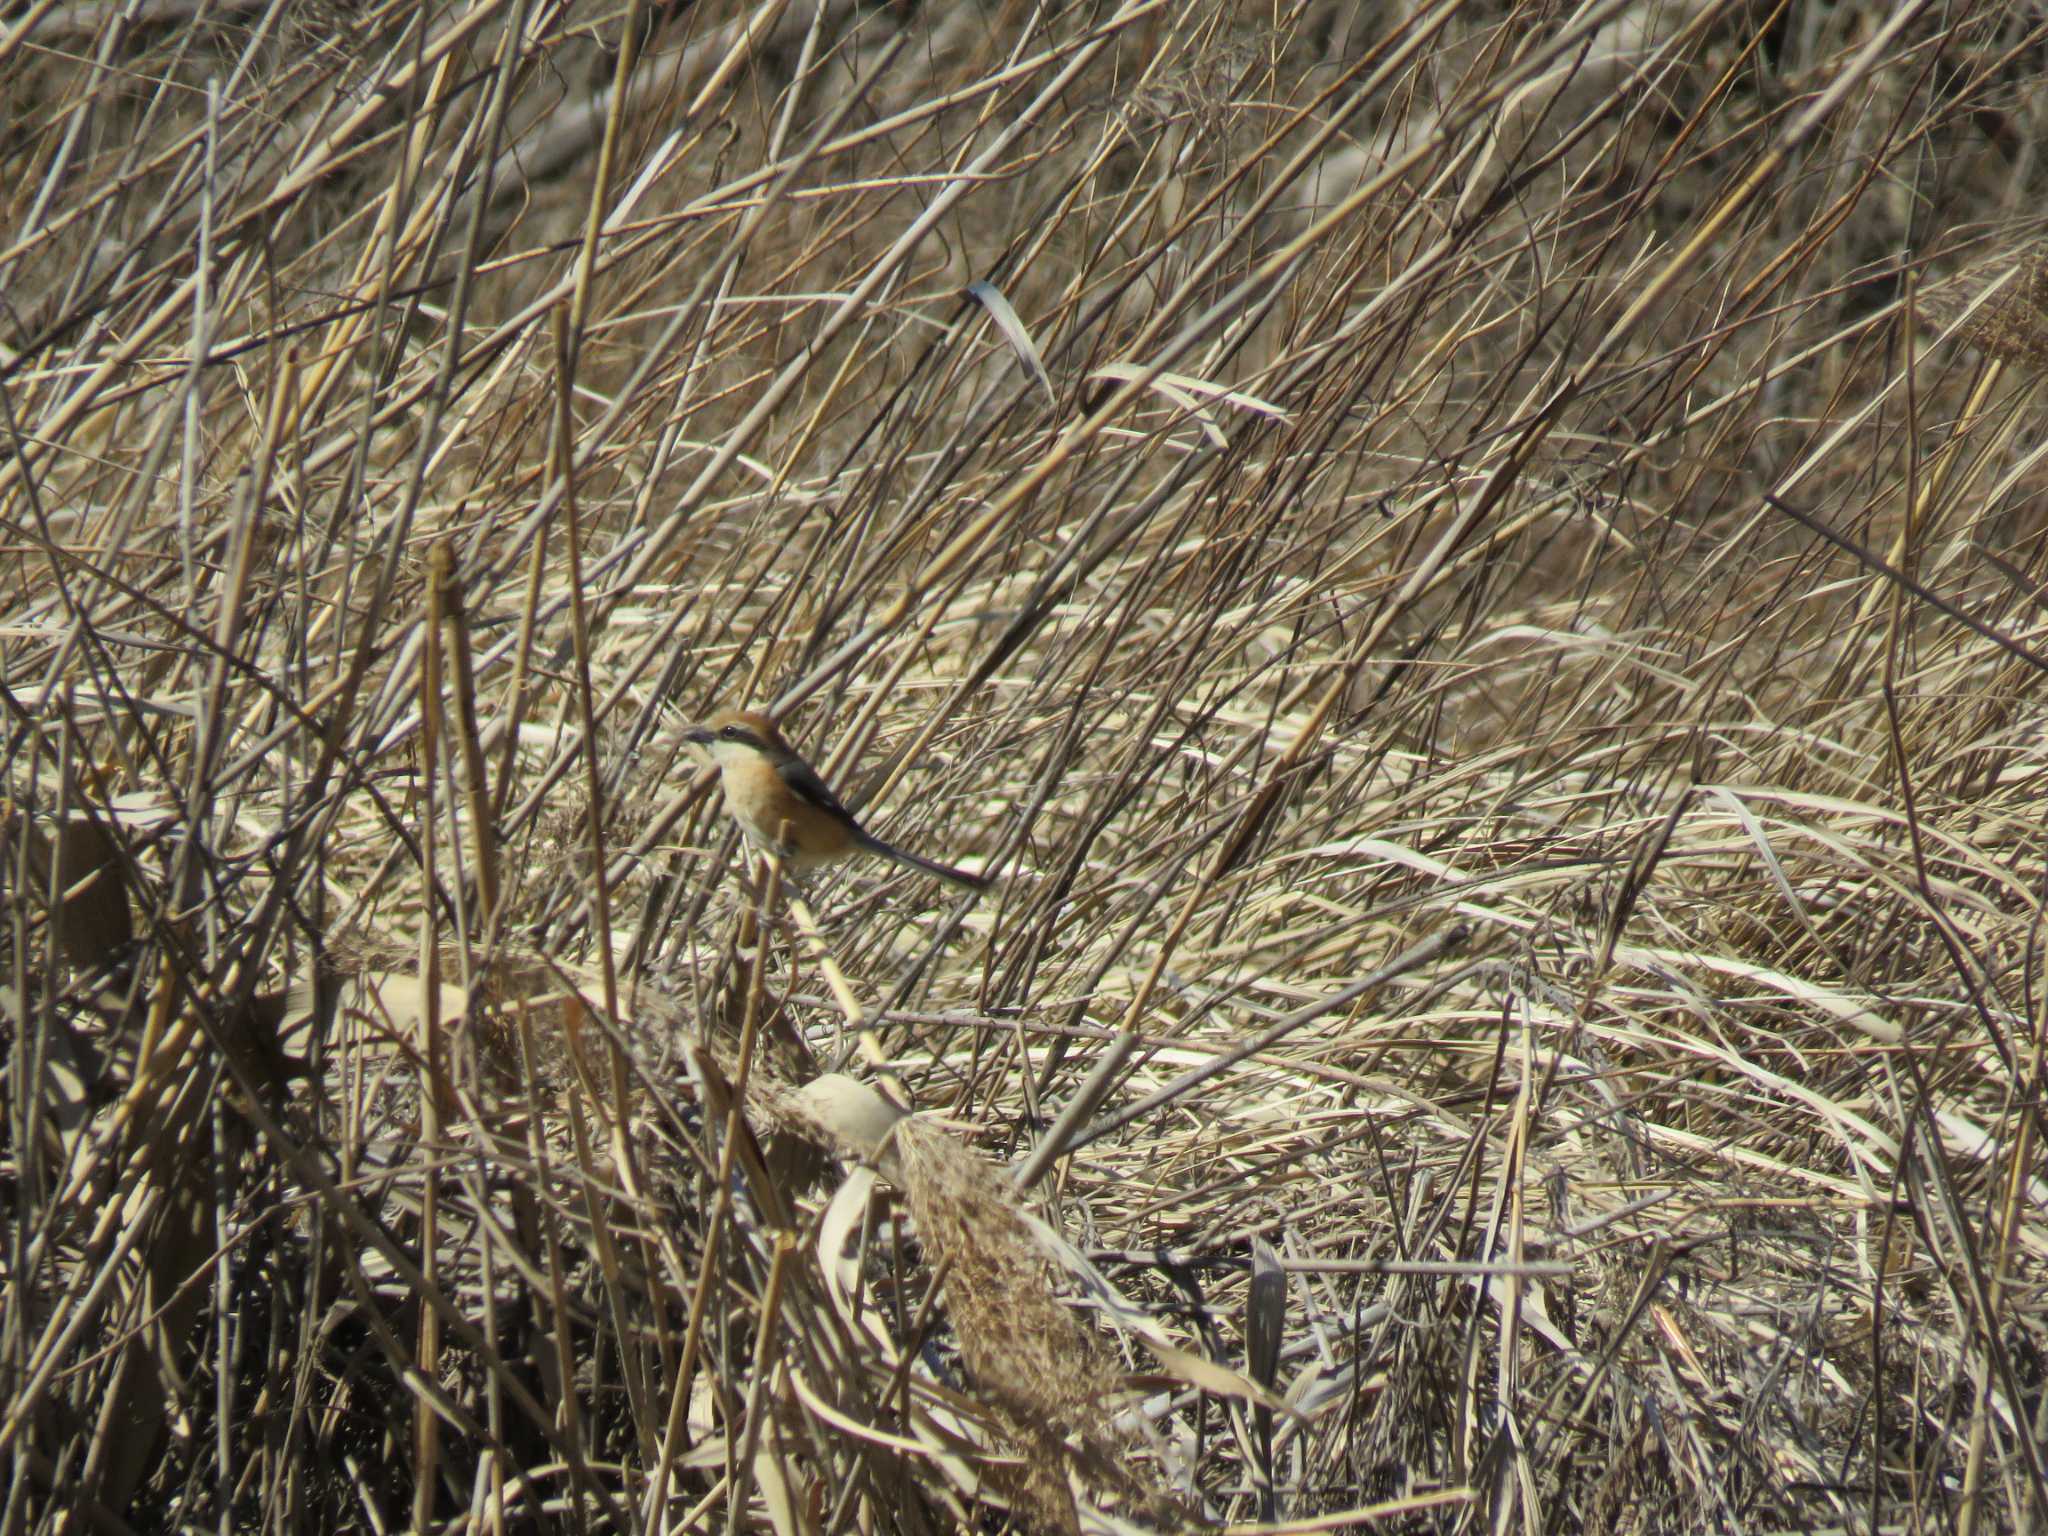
[783,806]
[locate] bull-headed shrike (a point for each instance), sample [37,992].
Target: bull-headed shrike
[784,807]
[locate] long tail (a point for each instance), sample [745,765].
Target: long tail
[874,844]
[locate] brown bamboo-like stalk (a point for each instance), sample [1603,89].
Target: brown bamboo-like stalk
[433,1095]
[753,964]
[550,1304]
[476,792]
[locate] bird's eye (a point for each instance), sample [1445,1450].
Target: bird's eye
[731,733]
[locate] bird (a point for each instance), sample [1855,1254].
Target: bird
[783,806]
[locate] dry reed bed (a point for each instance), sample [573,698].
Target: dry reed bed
[1483,631]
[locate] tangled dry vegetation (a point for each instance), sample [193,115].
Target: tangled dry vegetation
[1473,569]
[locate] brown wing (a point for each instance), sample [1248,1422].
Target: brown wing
[803,779]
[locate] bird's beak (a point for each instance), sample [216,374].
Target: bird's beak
[699,736]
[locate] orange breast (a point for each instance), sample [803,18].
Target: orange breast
[776,818]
